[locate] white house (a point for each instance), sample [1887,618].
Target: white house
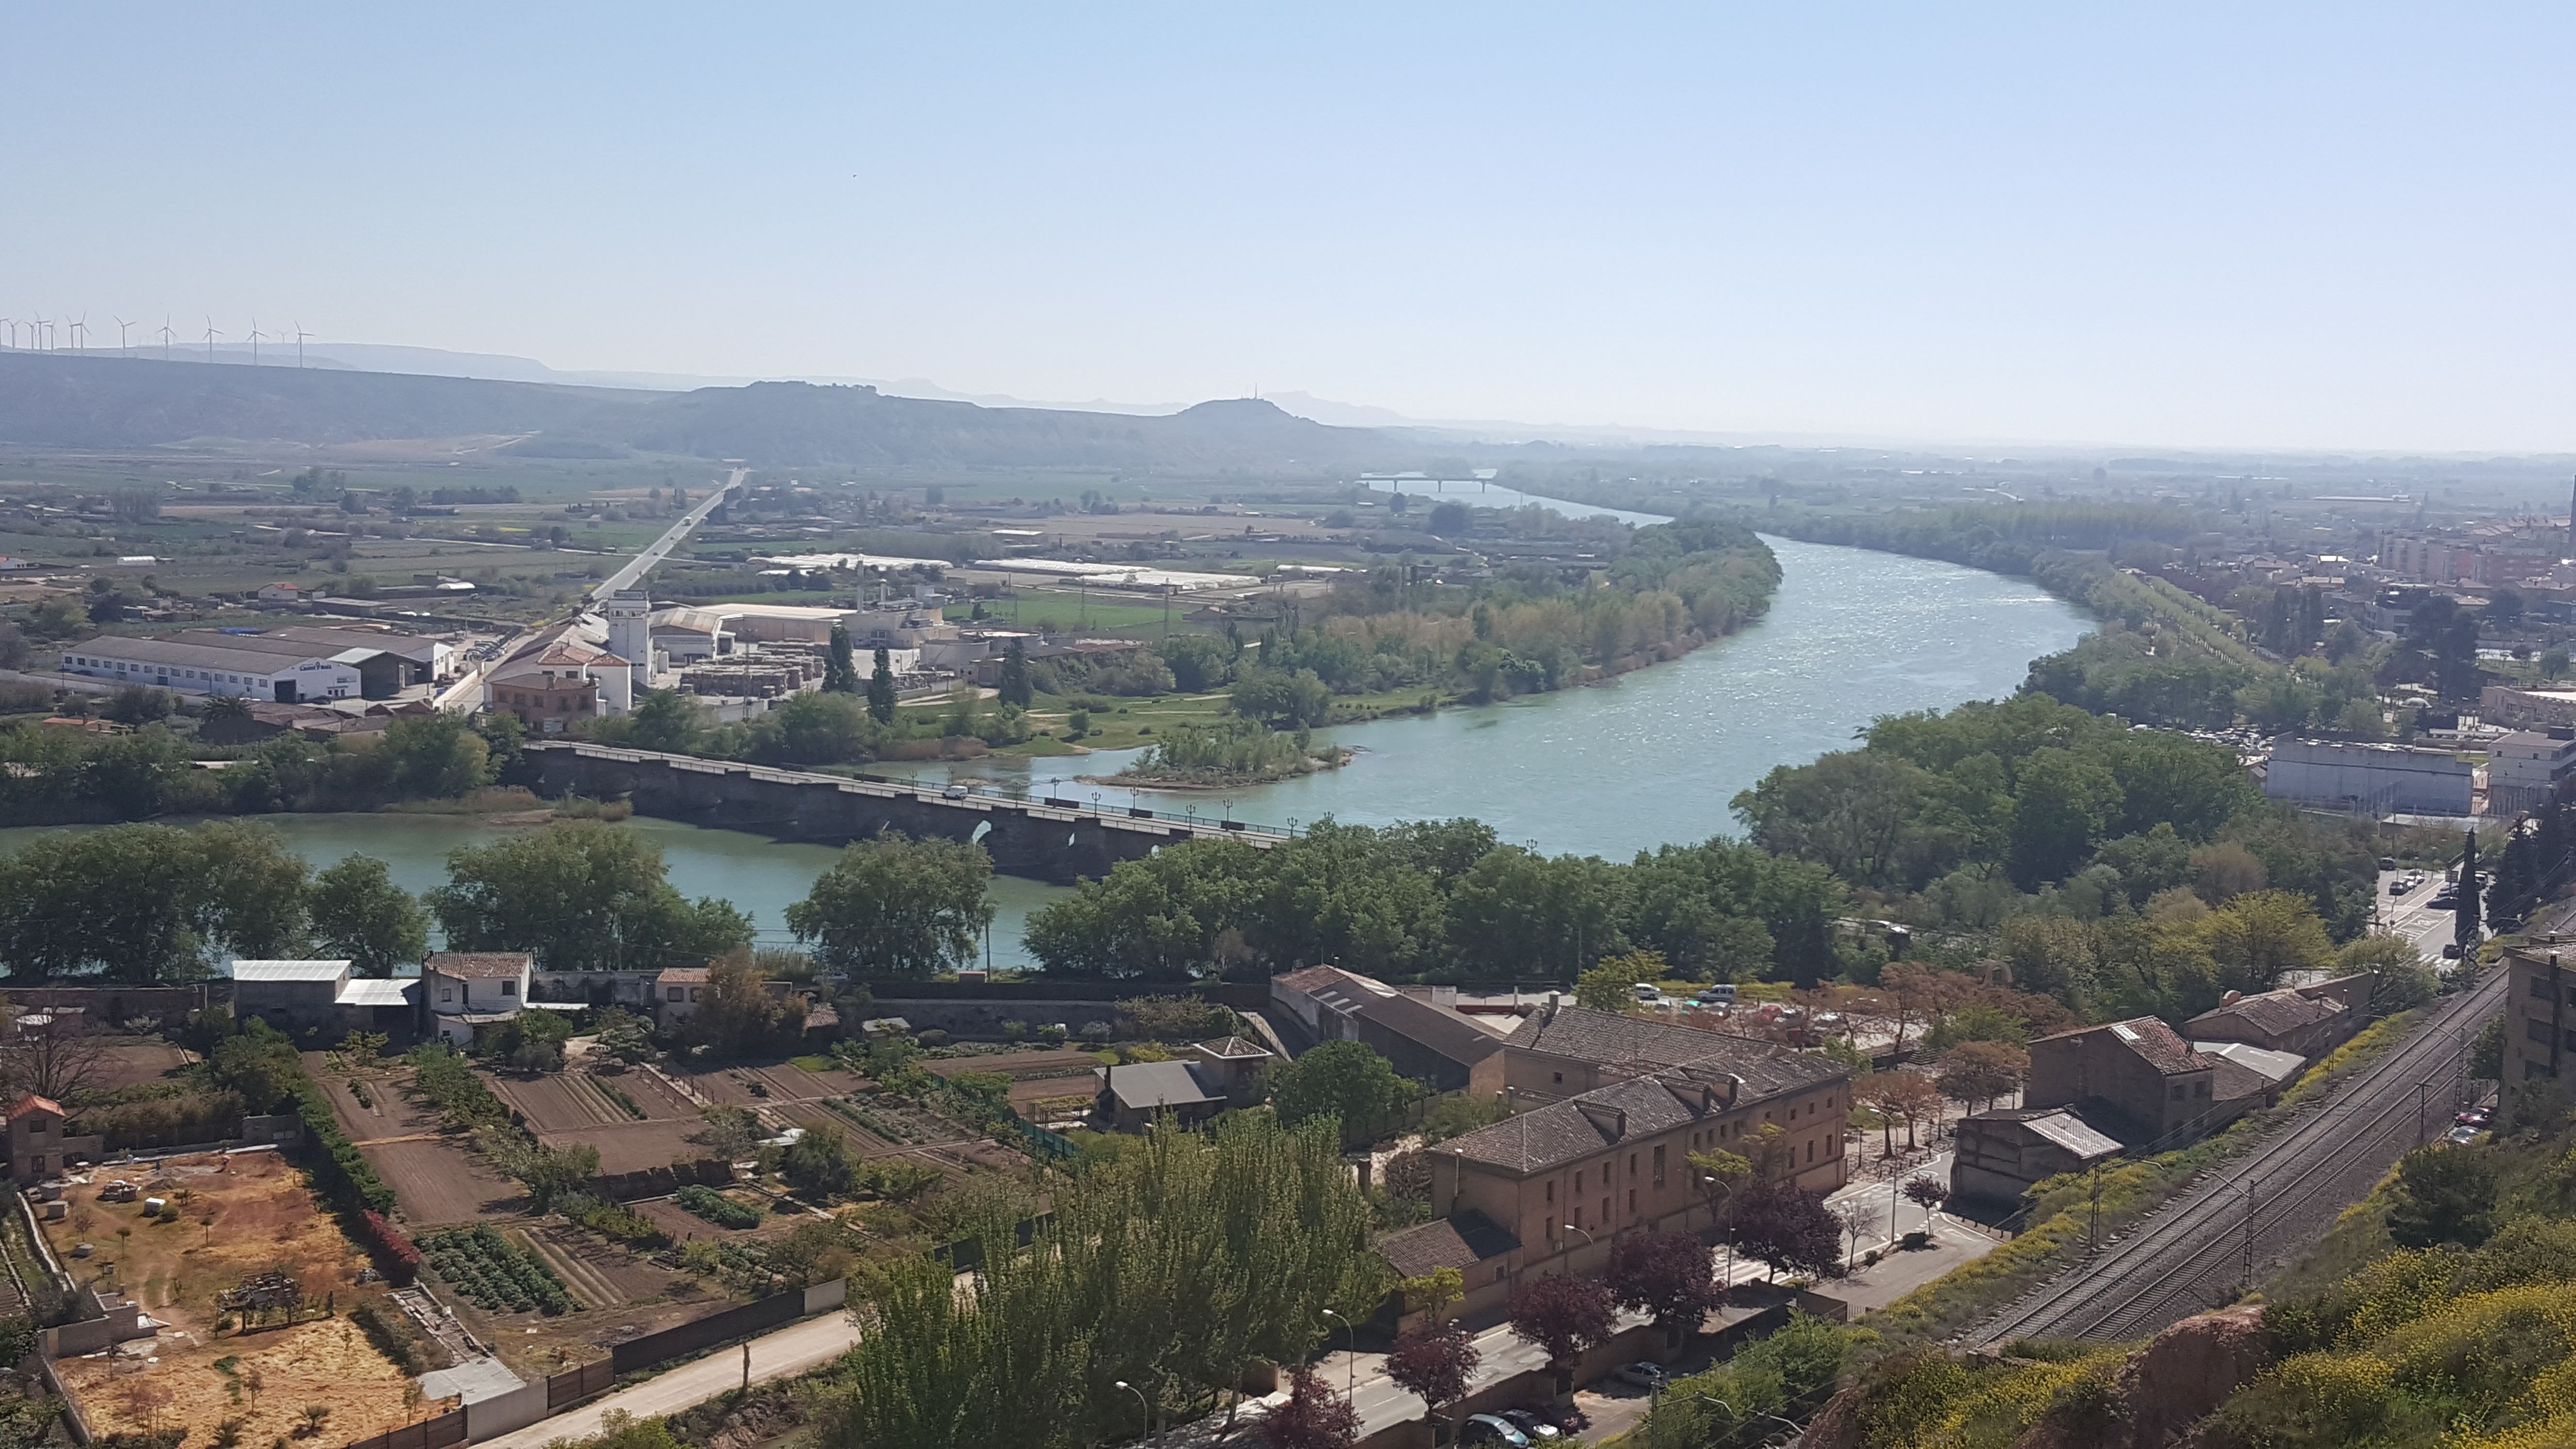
[246,666]
[466,989]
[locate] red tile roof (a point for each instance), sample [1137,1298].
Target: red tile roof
[33,1103]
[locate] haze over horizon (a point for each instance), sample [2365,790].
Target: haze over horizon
[2209,228]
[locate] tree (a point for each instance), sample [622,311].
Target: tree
[1611,985]
[52,1054]
[739,1016]
[1313,1418]
[2486,1052]
[1348,1080]
[580,896]
[1014,688]
[1926,1192]
[2258,938]
[1435,1362]
[548,1173]
[625,1036]
[1562,1315]
[1787,1229]
[2446,1195]
[1666,1275]
[141,903]
[1910,1097]
[840,672]
[881,688]
[892,906]
[358,912]
[729,1132]
[2464,927]
[665,720]
[1981,1071]
[433,757]
[818,1164]
[1283,700]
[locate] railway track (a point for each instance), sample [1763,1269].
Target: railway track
[2205,1247]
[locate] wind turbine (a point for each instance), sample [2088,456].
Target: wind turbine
[121,325]
[211,335]
[165,337]
[254,342]
[300,335]
[78,328]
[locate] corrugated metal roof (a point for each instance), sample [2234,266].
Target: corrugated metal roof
[2072,1133]
[1144,1086]
[2276,1066]
[289,970]
[376,991]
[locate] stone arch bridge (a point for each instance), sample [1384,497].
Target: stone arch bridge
[1056,840]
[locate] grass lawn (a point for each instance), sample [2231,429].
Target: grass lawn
[1095,612]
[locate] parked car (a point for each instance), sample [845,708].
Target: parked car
[2476,1117]
[1648,1376]
[1529,1423]
[2450,950]
[2463,1135]
[2387,864]
[1648,993]
[1722,994]
[1489,1429]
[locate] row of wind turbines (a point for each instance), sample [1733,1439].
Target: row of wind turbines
[42,334]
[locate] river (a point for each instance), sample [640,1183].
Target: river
[1653,756]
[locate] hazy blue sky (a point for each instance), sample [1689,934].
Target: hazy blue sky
[2343,225]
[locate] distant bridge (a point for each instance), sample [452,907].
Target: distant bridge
[1054,840]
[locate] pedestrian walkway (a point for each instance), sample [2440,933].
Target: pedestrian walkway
[789,1351]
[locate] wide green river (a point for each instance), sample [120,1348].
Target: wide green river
[1652,757]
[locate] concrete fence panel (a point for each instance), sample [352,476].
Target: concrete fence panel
[490,1418]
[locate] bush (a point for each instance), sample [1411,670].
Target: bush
[715,1207]
[488,1272]
[396,1256]
[445,1078]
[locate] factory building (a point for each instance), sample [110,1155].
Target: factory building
[2526,769]
[248,666]
[2377,778]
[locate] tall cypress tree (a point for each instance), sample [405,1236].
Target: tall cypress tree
[2464,927]
[1015,676]
[881,689]
[840,674]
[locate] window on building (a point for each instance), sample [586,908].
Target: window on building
[2539,989]
[447,993]
[1551,1194]
[675,993]
[693,992]
[1558,1077]
[2177,1091]
[1632,1202]
[1578,1179]
[1659,1165]
[1605,1212]
[1632,1167]
[2200,1090]
[509,988]
[1811,1149]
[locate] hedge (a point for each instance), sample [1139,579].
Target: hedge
[397,1257]
[342,1173]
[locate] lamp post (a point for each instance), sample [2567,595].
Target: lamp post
[1712,1180]
[1350,1361]
[1140,1402]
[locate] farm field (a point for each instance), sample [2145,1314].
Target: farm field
[262,1218]
[135,1060]
[618,1294]
[437,1179]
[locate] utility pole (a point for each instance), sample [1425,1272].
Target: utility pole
[2249,1233]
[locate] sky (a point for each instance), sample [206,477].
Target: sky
[2241,225]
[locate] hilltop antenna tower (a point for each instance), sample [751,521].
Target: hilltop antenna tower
[2571,523]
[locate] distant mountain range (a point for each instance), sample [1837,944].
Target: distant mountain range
[437,362]
[90,400]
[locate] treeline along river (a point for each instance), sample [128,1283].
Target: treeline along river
[1653,757]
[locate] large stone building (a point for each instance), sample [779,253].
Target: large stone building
[2138,1081]
[1426,1042]
[2539,1025]
[2306,1021]
[1606,1110]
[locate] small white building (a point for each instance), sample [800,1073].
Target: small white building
[677,992]
[2526,768]
[466,989]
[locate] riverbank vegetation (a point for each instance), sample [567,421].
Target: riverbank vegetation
[1228,752]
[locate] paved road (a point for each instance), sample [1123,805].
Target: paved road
[791,1350]
[2202,1249]
[643,562]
